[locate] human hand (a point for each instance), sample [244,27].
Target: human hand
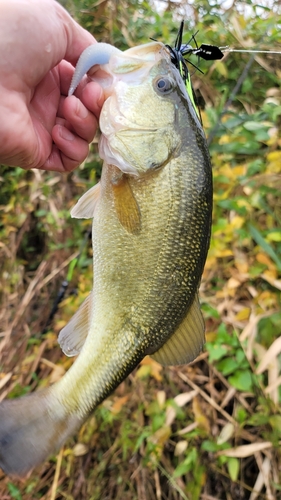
[40,126]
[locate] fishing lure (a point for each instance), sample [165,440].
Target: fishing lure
[180,52]
[178,57]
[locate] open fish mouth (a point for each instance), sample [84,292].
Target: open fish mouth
[123,119]
[95,59]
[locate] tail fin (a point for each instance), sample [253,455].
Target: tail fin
[31,428]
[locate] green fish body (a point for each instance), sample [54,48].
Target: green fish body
[151,230]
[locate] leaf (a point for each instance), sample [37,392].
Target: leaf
[274,236]
[242,381]
[185,397]
[233,468]
[80,449]
[180,448]
[226,433]
[270,355]
[221,68]
[246,450]
[14,491]
[275,422]
[186,465]
[119,403]
[150,367]
[253,126]
[200,415]
[216,351]
[264,245]
[227,365]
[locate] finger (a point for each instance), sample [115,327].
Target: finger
[60,111]
[58,162]
[78,39]
[89,92]
[83,122]
[92,96]
[66,71]
[69,150]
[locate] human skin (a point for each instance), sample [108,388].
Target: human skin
[40,127]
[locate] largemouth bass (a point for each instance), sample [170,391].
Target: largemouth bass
[151,230]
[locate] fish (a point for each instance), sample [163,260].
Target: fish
[152,212]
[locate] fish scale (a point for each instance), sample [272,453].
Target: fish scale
[156,269]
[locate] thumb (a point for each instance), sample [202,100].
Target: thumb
[77,38]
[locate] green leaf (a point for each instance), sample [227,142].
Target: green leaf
[258,419]
[240,356]
[274,235]
[264,245]
[241,415]
[275,422]
[253,126]
[233,468]
[186,465]
[242,381]
[227,366]
[14,491]
[209,446]
[216,351]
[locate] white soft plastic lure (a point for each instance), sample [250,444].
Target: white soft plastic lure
[99,53]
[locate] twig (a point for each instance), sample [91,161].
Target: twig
[57,475]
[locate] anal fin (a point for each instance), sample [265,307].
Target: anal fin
[72,337]
[187,341]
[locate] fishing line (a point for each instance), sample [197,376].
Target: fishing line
[179,54]
[249,51]
[238,85]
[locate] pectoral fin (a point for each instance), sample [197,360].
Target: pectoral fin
[85,206]
[187,341]
[73,335]
[126,205]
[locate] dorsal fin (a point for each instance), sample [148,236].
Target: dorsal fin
[72,337]
[187,341]
[85,206]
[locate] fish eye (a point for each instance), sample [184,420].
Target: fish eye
[163,85]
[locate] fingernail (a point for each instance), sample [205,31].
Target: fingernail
[100,99]
[66,134]
[81,111]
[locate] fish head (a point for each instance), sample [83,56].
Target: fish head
[139,123]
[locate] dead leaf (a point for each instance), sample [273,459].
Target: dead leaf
[245,450]
[200,416]
[270,355]
[118,404]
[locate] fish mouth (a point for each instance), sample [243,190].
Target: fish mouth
[102,61]
[130,66]
[113,69]
[104,78]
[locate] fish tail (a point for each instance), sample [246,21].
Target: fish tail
[31,428]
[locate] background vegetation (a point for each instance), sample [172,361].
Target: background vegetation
[210,430]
